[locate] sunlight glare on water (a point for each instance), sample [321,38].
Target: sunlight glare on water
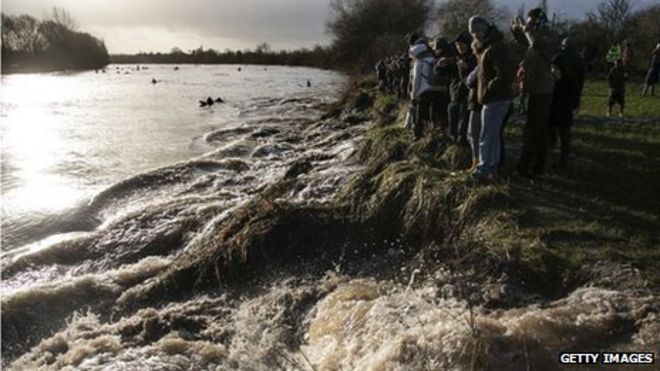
[67,136]
[33,143]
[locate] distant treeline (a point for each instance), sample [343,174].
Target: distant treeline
[316,57]
[51,44]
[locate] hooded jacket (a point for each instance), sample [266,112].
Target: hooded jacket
[496,73]
[537,60]
[422,70]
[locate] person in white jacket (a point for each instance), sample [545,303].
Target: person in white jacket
[423,93]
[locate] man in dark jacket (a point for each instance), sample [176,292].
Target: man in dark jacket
[457,111]
[569,80]
[538,84]
[494,93]
[616,81]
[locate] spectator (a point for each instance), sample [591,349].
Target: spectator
[538,84]
[628,56]
[653,74]
[565,99]
[457,111]
[616,82]
[494,82]
[422,91]
[440,79]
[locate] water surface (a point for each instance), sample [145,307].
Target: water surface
[67,136]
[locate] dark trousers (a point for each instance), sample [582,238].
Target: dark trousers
[502,146]
[458,117]
[422,115]
[561,121]
[563,135]
[535,135]
[431,108]
[439,103]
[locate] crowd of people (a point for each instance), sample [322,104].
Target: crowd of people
[465,87]
[394,75]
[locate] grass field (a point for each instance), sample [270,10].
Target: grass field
[594,100]
[606,205]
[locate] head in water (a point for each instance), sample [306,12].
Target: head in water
[478,27]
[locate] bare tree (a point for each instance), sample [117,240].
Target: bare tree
[63,18]
[453,15]
[263,48]
[366,30]
[615,17]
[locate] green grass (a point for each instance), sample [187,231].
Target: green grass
[605,205]
[594,100]
[602,208]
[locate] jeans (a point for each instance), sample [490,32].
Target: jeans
[474,132]
[492,117]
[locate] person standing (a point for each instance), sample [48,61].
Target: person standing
[628,56]
[440,80]
[380,74]
[421,93]
[474,125]
[614,54]
[494,93]
[578,66]
[653,74]
[404,74]
[569,79]
[457,111]
[616,82]
[538,84]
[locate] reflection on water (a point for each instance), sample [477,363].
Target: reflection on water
[66,136]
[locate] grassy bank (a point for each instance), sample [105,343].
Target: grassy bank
[551,232]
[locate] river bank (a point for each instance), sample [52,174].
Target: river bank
[405,264]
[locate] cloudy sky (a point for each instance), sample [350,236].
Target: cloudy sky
[130,26]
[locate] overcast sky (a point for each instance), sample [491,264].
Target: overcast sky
[130,26]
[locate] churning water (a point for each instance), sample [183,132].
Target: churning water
[109,180]
[66,137]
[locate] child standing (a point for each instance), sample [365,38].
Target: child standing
[616,82]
